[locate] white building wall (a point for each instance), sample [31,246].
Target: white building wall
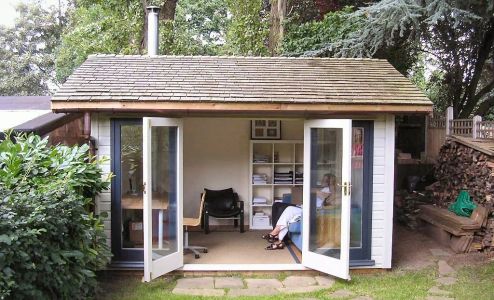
[383,191]
[100,130]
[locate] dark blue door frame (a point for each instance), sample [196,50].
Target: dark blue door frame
[120,254]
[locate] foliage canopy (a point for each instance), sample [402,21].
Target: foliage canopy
[456,37]
[27,51]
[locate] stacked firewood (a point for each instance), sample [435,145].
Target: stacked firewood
[460,167]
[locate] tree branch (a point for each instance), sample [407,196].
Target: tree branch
[483,54]
[484,90]
[485,106]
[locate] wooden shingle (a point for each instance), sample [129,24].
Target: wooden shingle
[207,79]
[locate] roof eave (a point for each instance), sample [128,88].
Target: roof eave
[187,108]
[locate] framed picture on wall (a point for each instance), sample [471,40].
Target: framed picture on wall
[262,129]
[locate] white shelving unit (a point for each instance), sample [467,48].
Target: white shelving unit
[277,156]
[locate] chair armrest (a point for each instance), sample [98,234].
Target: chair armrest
[241,205]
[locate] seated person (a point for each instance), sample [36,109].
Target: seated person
[292,213]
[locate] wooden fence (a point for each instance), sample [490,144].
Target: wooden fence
[462,127]
[435,136]
[473,128]
[438,127]
[485,130]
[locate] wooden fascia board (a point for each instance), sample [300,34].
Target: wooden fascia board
[220,107]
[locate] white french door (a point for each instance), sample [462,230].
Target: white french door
[326,201]
[163,196]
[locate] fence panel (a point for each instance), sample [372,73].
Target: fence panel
[485,130]
[462,127]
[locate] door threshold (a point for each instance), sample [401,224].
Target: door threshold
[243,267]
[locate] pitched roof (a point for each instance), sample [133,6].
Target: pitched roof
[110,78]
[25,102]
[30,114]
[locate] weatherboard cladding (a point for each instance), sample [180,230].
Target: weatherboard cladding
[238,79]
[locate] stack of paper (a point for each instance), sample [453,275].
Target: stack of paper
[259,179]
[261,158]
[259,200]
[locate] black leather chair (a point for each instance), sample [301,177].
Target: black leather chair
[222,204]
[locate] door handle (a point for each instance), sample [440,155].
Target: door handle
[347,188]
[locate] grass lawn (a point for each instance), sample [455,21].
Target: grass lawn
[473,283]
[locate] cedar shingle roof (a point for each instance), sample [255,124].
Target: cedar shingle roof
[104,78]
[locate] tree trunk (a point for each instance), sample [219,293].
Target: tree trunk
[167,13]
[276,30]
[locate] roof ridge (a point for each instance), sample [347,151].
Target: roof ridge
[234,56]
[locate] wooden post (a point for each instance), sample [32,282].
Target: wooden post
[449,117]
[475,121]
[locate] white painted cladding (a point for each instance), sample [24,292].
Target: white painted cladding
[383,187]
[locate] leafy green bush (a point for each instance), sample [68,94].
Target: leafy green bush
[50,245]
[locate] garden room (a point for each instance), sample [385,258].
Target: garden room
[263,161]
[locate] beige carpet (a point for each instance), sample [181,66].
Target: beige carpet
[235,248]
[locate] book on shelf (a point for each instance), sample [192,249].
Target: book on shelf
[283,177]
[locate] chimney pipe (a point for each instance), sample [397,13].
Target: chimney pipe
[153,13]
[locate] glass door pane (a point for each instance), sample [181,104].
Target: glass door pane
[164,191]
[326,213]
[326,179]
[132,233]
[357,187]
[162,160]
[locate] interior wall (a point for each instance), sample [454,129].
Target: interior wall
[216,156]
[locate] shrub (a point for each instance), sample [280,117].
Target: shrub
[50,244]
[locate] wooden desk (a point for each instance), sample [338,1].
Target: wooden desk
[160,201]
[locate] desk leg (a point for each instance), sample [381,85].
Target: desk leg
[160,229]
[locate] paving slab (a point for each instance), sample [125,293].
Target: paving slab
[342,294]
[445,269]
[325,280]
[302,289]
[199,292]
[299,281]
[439,252]
[253,292]
[446,280]
[195,283]
[437,291]
[438,298]
[228,283]
[263,283]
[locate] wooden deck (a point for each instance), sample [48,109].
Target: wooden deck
[485,145]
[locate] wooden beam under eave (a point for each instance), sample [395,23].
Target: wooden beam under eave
[219,107]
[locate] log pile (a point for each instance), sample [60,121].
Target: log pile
[460,167]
